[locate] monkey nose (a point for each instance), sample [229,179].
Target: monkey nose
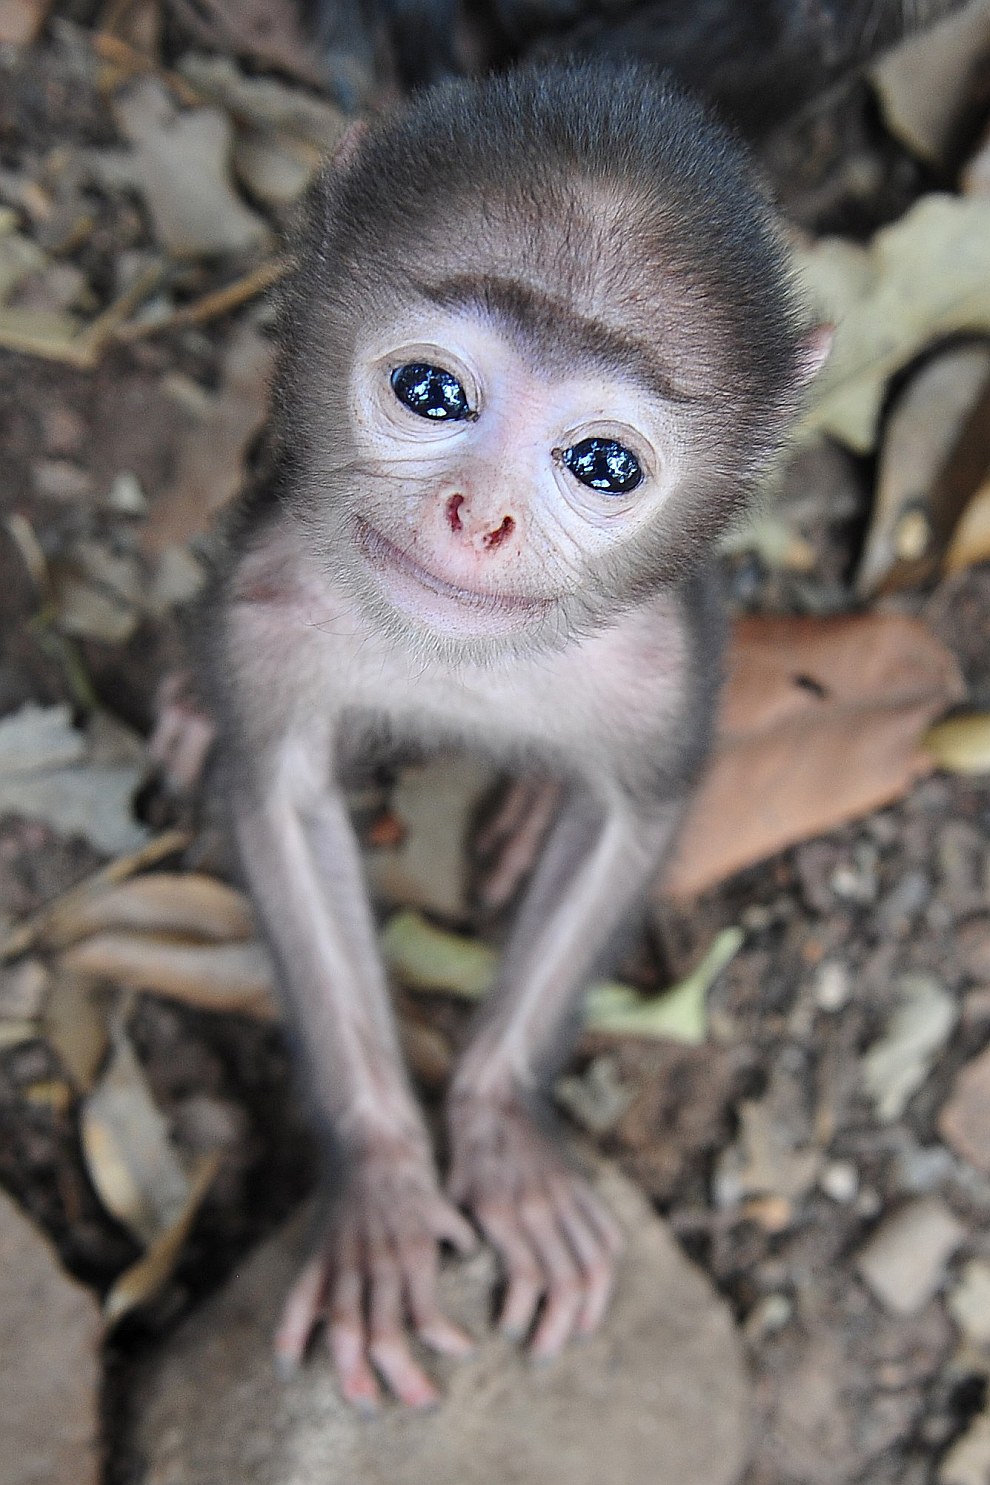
[478,530]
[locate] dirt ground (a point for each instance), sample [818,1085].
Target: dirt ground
[793,1168]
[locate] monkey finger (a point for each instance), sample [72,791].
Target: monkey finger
[596,1264]
[524,1277]
[388,1345]
[564,1297]
[600,1218]
[419,1263]
[302,1311]
[347,1340]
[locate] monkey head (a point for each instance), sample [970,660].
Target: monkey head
[540,342]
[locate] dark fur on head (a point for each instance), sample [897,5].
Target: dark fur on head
[591,209]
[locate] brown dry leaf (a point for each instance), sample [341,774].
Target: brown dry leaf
[925,276]
[44,927]
[180,162]
[129,1156]
[821,721]
[75,1026]
[971,539]
[211,460]
[186,904]
[148,1276]
[927,84]
[928,420]
[214,977]
[50,1333]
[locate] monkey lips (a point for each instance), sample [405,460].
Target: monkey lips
[433,600]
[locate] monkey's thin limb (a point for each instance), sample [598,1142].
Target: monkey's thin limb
[377,1260]
[555,1239]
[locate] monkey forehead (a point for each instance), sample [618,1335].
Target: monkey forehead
[560,337]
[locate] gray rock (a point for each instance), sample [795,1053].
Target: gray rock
[904,1261]
[660,1394]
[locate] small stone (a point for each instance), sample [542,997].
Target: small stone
[918,1169]
[964,1122]
[840,1181]
[833,985]
[969,1302]
[904,1261]
[60,479]
[126,495]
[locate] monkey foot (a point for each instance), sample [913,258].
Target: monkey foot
[373,1280]
[558,1244]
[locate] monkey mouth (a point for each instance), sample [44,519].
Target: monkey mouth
[425,596]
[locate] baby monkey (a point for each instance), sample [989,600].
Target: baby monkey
[539,342]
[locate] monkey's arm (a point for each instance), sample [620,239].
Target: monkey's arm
[377,1258]
[556,1241]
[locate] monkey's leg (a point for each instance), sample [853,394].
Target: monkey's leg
[377,1259]
[556,1241]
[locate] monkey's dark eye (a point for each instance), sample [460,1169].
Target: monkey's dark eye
[603,464]
[430,392]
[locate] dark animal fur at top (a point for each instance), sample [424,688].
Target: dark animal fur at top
[758,61]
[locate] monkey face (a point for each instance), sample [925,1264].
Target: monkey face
[490,481]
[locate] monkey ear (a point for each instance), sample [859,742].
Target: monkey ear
[813,352]
[348,146]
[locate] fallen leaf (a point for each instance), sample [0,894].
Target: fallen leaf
[50,1333]
[926,276]
[211,459]
[968,1461]
[213,977]
[185,904]
[44,926]
[897,1065]
[921,433]
[180,162]
[276,169]
[766,1160]
[45,775]
[428,867]
[961,744]
[821,721]
[964,1122]
[927,84]
[149,1275]
[75,1027]
[130,1158]
[971,539]
[426,958]
[265,102]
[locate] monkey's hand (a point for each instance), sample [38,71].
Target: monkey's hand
[556,1241]
[374,1270]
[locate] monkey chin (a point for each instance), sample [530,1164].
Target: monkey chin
[441,609]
